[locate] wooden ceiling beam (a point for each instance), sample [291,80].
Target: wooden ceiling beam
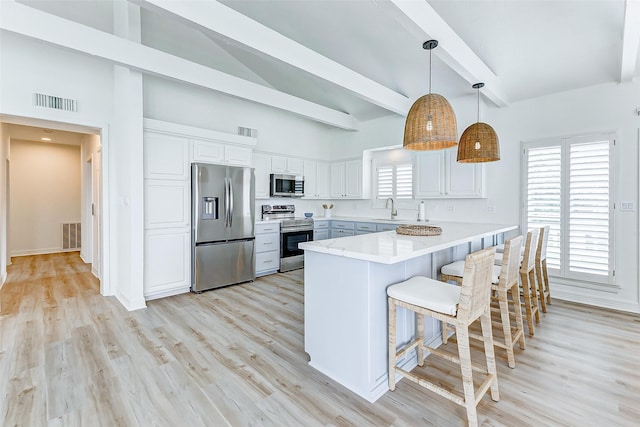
[452,49]
[29,22]
[630,40]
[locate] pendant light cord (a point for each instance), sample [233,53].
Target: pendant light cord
[430,74]
[478,105]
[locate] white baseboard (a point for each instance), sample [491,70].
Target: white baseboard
[169,293]
[45,251]
[131,305]
[630,307]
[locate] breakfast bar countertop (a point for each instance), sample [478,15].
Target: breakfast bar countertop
[389,247]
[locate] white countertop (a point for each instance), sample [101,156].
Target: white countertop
[389,247]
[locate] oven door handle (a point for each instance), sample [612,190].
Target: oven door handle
[294,229]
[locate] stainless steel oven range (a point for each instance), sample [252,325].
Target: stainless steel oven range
[293,231]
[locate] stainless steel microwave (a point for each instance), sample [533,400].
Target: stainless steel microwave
[286,185]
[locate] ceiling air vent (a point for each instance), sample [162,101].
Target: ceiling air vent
[48,101]
[253,133]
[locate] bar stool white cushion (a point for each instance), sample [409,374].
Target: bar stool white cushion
[427,293]
[457,269]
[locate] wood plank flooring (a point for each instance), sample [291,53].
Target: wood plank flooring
[235,357]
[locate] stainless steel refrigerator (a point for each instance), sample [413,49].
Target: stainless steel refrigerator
[222,235]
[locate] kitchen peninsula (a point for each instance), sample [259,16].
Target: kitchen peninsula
[345,300]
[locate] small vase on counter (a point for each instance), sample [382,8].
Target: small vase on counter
[327,210]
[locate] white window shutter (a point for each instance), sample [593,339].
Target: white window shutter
[404,181]
[385,182]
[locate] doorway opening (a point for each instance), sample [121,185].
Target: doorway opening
[53,187]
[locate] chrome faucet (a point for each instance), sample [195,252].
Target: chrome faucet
[394,212]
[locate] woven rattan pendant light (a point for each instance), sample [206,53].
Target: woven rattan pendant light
[479,142]
[431,122]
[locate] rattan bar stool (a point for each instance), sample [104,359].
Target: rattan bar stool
[503,284]
[528,281]
[544,292]
[459,306]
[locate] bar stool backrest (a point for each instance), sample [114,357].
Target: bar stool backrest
[543,239]
[529,256]
[475,292]
[510,263]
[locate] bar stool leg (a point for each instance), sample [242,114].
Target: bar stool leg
[517,307]
[487,334]
[420,335]
[527,302]
[445,332]
[534,295]
[462,337]
[392,344]
[506,327]
[541,290]
[545,274]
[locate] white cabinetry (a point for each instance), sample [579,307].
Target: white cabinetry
[439,175]
[169,150]
[262,166]
[267,248]
[316,180]
[207,151]
[342,229]
[346,179]
[166,215]
[287,165]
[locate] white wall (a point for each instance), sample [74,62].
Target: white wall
[278,131]
[45,192]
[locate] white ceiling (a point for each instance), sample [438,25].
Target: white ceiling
[534,48]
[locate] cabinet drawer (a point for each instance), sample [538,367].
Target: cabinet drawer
[345,225]
[267,261]
[321,224]
[341,233]
[386,227]
[267,242]
[366,226]
[267,228]
[321,234]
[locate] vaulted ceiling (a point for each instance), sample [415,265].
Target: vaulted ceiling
[363,59]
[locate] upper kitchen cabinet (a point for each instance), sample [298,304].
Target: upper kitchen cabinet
[262,166]
[287,165]
[166,157]
[207,151]
[346,179]
[316,180]
[439,175]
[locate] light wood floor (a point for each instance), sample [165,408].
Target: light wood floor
[234,356]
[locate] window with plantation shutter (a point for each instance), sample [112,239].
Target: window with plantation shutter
[395,181]
[567,185]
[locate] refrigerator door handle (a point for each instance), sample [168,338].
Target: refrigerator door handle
[226,202]
[231,196]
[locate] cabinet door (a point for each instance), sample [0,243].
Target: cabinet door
[337,179]
[310,183]
[167,203]
[430,174]
[295,166]
[208,151]
[166,157]
[278,164]
[237,156]
[353,179]
[166,263]
[262,166]
[322,180]
[321,234]
[463,179]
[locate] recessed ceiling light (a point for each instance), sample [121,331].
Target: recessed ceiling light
[45,139]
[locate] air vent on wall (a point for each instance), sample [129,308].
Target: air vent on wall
[48,101]
[253,133]
[71,236]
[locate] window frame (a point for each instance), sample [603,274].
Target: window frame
[564,275]
[404,203]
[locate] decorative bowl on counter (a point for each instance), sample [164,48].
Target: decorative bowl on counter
[308,214]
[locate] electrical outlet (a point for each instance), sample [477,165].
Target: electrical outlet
[450,208]
[491,209]
[627,206]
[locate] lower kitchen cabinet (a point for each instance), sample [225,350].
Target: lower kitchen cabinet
[321,230]
[166,262]
[267,248]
